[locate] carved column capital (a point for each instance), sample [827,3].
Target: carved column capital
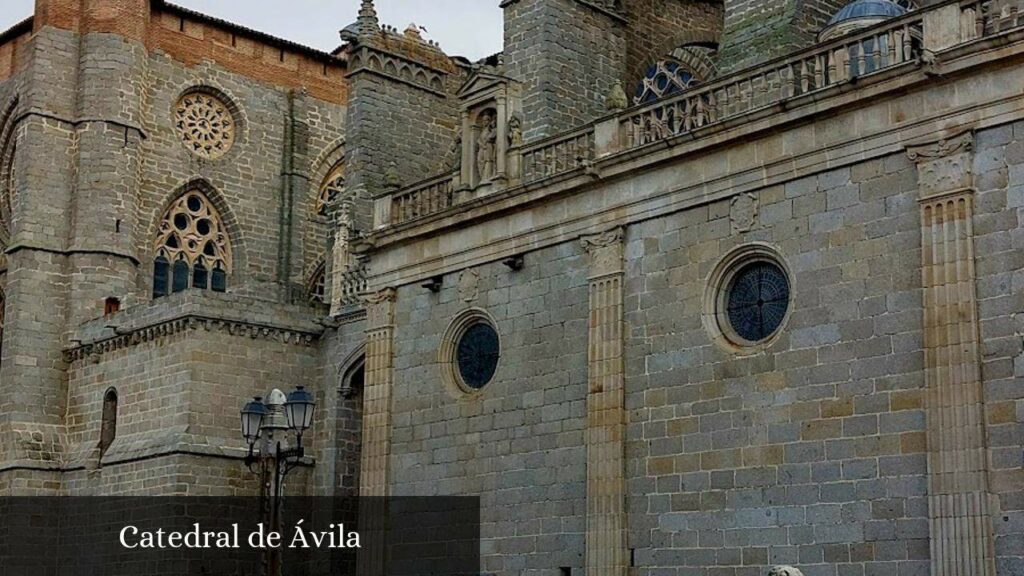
[606,251]
[944,166]
[380,308]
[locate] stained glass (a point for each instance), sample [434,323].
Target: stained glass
[758,301]
[477,355]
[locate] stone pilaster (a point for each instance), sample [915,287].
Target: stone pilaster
[607,554]
[380,330]
[376,449]
[960,504]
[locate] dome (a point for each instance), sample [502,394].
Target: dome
[872,9]
[859,14]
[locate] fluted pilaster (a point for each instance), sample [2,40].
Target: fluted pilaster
[959,502]
[607,553]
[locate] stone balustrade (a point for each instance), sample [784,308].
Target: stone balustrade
[909,40]
[427,197]
[852,56]
[557,155]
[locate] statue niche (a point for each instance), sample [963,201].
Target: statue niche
[491,136]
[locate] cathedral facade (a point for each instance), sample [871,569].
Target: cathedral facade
[676,287]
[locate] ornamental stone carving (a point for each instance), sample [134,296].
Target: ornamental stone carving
[380,308]
[944,166]
[743,212]
[204,124]
[469,285]
[606,251]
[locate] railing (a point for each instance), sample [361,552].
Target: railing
[557,155]
[428,197]
[824,66]
[980,18]
[854,56]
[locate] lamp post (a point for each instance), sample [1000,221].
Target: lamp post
[261,421]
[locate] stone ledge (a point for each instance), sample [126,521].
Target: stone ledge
[192,310]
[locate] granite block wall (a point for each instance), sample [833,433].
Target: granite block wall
[519,442]
[568,55]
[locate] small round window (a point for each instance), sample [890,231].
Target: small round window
[477,355]
[757,301]
[748,299]
[470,351]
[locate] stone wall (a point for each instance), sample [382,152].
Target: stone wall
[568,55]
[657,27]
[182,370]
[810,453]
[999,248]
[402,127]
[519,442]
[758,30]
[95,172]
[340,416]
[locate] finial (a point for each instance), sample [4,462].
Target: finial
[367,20]
[616,98]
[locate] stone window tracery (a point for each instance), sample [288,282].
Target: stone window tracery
[7,182]
[205,124]
[318,285]
[192,248]
[748,299]
[470,352]
[332,189]
[663,78]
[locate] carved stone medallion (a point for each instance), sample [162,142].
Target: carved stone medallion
[469,285]
[743,212]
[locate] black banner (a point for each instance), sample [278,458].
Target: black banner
[148,536]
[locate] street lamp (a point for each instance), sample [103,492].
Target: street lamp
[260,421]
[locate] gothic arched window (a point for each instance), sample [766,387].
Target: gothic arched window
[192,248]
[7,181]
[663,78]
[318,285]
[3,306]
[332,189]
[108,425]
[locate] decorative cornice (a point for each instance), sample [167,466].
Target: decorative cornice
[134,336]
[373,60]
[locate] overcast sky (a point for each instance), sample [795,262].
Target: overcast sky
[470,28]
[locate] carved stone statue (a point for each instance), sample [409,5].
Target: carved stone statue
[515,131]
[456,153]
[486,146]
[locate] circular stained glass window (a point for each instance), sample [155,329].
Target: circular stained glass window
[476,355]
[757,300]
